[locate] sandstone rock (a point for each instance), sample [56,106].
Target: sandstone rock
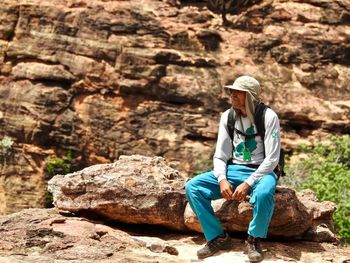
[120,77]
[144,190]
[46,235]
[20,177]
[292,217]
[41,71]
[9,15]
[156,245]
[39,235]
[135,189]
[3,47]
[210,39]
[34,106]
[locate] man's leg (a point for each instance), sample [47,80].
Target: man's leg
[200,190]
[203,188]
[263,201]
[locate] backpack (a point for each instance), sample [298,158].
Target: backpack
[259,119]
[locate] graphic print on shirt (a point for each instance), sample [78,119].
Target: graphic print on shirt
[247,147]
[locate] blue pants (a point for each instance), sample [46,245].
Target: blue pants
[203,188]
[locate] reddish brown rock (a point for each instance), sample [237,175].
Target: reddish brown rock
[144,190]
[37,71]
[135,189]
[39,235]
[46,235]
[295,216]
[107,78]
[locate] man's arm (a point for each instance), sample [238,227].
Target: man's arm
[272,144]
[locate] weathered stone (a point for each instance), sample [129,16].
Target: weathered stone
[38,71]
[80,66]
[20,176]
[209,39]
[182,41]
[45,236]
[3,48]
[135,189]
[191,15]
[104,139]
[291,217]
[149,77]
[138,189]
[30,109]
[320,233]
[179,85]
[302,43]
[156,245]
[9,13]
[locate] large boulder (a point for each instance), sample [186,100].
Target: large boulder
[296,215]
[145,190]
[135,189]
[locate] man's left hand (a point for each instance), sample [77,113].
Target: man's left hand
[241,192]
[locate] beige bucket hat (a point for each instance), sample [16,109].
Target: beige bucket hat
[248,84]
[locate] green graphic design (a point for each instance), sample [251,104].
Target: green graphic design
[274,134]
[250,144]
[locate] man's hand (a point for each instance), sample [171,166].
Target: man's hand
[240,192]
[226,189]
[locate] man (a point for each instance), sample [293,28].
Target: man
[250,172]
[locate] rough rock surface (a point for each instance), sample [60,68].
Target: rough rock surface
[296,215]
[108,78]
[144,190]
[47,236]
[135,189]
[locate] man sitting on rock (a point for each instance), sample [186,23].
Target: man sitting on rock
[242,167]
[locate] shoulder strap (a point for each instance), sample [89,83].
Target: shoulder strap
[259,119]
[231,123]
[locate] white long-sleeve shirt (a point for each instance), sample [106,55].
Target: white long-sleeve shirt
[224,149]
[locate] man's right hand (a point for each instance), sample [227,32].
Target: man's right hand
[226,189]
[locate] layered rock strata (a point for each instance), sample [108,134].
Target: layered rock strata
[103,79]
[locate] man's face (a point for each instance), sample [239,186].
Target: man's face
[238,99]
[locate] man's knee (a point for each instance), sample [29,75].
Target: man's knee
[265,196]
[189,187]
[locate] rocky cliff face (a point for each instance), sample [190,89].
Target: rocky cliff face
[105,78]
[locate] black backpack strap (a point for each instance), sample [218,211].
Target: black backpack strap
[231,123]
[231,127]
[247,136]
[259,119]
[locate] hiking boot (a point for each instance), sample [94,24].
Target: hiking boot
[254,250]
[222,242]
